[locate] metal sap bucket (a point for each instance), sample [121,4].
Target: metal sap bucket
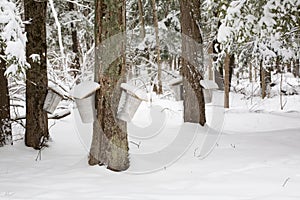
[177,86]
[84,94]
[52,100]
[86,108]
[208,89]
[128,109]
[131,98]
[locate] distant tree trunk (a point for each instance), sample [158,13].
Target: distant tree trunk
[109,144]
[231,68]
[296,67]
[159,69]
[277,65]
[268,80]
[192,62]
[263,84]
[141,18]
[280,94]
[36,76]
[226,80]
[175,63]
[250,72]
[218,73]
[171,57]
[75,44]
[5,124]
[289,66]
[255,72]
[210,62]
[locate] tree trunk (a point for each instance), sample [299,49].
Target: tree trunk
[289,66]
[5,124]
[141,18]
[268,79]
[170,62]
[250,72]
[158,60]
[280,94]
[75,44]
[36,76]
[226,80]
[175,63]
[255,71]
[296,67]
[218,73]
[231,69]
[192,62]
[263,84]
[109,144]
[210,62]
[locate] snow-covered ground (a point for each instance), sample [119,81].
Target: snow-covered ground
[257,157]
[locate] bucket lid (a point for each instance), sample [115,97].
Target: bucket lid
[208,84]
[84,89]
[176,81]
[57,89]
[134,91]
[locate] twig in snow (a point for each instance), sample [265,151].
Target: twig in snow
[285,182]
[42,146]
[54,123]
[18,139]
[137,144]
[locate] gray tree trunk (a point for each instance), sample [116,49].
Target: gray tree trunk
[263,83]
[141,18]
[109,144]
[192,62]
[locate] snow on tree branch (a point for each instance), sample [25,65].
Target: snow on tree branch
[12,38]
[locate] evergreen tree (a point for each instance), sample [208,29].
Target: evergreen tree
[12,61]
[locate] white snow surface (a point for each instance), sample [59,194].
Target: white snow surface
[257,157]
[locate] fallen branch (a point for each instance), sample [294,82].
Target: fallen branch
[55,116]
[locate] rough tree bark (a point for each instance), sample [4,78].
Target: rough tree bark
[192,62]
[109,144]
[5,124]
[36,76]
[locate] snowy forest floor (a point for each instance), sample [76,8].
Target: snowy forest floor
[256,158]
